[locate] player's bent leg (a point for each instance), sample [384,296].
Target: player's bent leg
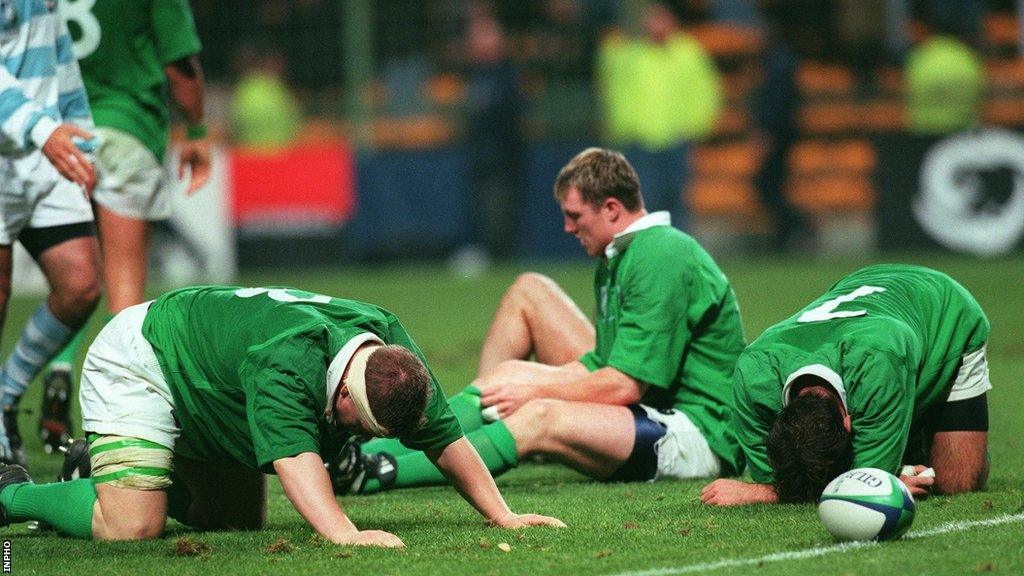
[131,476]
[219,496]
[128,514]
[68,256]
[72,269]
[595,439]
[536,317]
[125,244]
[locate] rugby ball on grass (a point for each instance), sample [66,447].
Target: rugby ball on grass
[866,504]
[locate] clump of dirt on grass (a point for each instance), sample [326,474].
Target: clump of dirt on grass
[282,546]
[188,547]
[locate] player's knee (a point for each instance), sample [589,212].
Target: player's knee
[133,528]
[530,286]
[77,295]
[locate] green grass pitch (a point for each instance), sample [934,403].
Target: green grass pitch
[649,529]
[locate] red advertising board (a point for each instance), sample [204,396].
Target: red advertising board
[301,187]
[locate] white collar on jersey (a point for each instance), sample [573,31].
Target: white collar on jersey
[338,365]
[622,239]
[821,371]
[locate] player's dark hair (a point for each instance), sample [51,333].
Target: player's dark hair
[397,388]
[599,174]
[808,446]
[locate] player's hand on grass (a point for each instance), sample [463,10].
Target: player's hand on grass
[65,156]
[513,520]
[371,538]
[920,481]
[195,154]
[728,492]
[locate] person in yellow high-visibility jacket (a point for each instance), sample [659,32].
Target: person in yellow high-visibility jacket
[660,93]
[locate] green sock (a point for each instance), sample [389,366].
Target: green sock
[68,354]
[465,405]
[67,506]
[494,443]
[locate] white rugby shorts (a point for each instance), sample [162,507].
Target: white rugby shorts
[131,180]
[683,453]
[123,390]
[34,195]
[972,379]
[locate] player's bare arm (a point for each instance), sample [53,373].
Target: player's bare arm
[604,386]
[308,487]
[461,464]
[728,492]
[185,78]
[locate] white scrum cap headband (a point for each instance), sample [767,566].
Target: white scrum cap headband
[355,382]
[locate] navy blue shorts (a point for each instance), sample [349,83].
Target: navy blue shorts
[642,464]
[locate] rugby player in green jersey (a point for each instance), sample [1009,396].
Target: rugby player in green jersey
[133,55]
[887,370]
[644,393]
[189,400]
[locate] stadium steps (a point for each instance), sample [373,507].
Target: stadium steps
[831,167]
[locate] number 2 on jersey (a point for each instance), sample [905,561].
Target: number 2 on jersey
[827,310]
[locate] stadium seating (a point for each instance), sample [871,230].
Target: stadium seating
[831,168]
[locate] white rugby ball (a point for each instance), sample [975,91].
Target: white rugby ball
[866,504]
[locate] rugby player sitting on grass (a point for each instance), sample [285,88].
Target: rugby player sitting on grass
[886,370]
[190,399]
[646,395]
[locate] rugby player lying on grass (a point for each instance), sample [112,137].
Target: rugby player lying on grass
[887,370]
[190,399]
[642,393]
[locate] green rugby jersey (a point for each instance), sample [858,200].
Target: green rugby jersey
[891,337]
[667,316]
[247,368]
[123,47]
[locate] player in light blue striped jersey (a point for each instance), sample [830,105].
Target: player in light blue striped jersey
[45,179]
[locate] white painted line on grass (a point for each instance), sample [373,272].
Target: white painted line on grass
[821,550]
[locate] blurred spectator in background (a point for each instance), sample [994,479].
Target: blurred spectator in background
[264,112]
[493,141]
[660,93]
[776,104]
[859,29]
[944,77]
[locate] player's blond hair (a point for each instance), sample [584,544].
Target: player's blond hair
[599,174]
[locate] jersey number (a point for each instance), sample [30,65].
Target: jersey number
[827,309]
[79,13]
[282,295]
